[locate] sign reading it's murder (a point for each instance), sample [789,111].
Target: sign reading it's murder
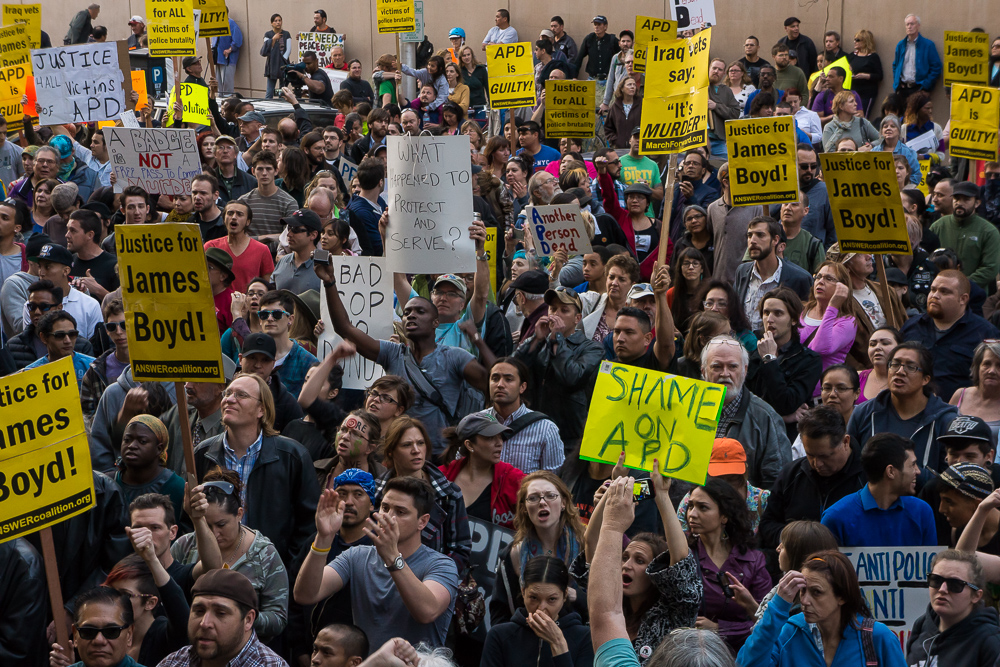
[675,107]
[160,160]
[78,84]
[864,197]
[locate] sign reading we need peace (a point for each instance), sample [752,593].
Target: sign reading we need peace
[78,84]
[762,160]
[864,197]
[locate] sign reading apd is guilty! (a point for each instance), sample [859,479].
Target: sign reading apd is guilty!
[173,335]
[864,197]
[975,116]
[45,473]
[511,74]
[762,160]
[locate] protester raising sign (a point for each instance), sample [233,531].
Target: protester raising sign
[558,227]
[45,473]
[78,84]
[170,28]
[762,161]
[173,335]
[691,14]
[320,43]
[214,19]
[975,116]
[966,58]
[365,288]
[161,161]
[864,197]
[430,205]
[570,108]
[194,97]
[674,124]
[31,16]
[650,29]
[647,415]
[678,67]
[15,68]
[395,16]
[511,74]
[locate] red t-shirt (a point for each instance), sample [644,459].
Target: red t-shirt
[224,309]
[254,261]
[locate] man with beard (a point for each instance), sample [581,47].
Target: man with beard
[204,195]
[819,220]
[974,240]
[378,126]
[634,341]
[220,627]
[251,258]
[752,60]
[768,75]
[767,270]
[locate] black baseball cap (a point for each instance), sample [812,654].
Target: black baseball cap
[964,428]
[51,252]
[34,245]
[303,218]
[259,343]
[532,282]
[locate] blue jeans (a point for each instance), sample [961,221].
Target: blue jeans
[718,148]
[271,84]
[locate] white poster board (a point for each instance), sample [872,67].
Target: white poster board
[365,288]
[320,42]
[348,170]
[78,84]
[556,227]
[160,160]
[691,14]
[429,187]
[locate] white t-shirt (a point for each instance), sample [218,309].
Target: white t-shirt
[497,36]
[869,302]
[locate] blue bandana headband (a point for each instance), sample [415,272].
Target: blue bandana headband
[359,477]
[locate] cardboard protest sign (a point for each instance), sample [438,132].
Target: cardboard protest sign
[430,205]
[762,161]
[691,14]
[45,473]
[395,16]
[570,108]
[966,58]
[894,582]
[15,68]
[214,18]
[555,227]
[365,288]
[321,43]
[864,197]
[348,170]
[78,84]
[975,117]
[648,414]
[488,540]
[173,335]
[170,28]
[139,86]
[194,97]
[674,124]
[31,16]
[160,160]
[650,29]
[677,67]
[511,74]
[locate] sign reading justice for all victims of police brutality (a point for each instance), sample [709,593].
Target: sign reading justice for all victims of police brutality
[966,58]
[395,16]
[648,414]
[45,473]
[570,108]
[762,161]
[650,29]
[170,28]
[864,197]
[173,335]
[975,116]
[511,74]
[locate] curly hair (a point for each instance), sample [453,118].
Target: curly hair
[738,527]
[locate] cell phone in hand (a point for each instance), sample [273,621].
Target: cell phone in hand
[642,490]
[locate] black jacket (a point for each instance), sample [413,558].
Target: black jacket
[514,643]
[281,491]
[286,406]
[789,382]
[801,494]
[973,642]
[598,53]
[22,349]
[23,605]
[242,184]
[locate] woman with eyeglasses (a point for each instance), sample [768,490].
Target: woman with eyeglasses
[141,468]
[389,397]
[407,453]
[739,82]
[682,297]
[42,209]
[982,399]
[839,388]
[833,606]
[876,379]
[697,235]
[831,318]
[245,320]
[238,548]
[720,297]
[546,523]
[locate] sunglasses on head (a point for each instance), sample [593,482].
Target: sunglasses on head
[225,487]
[276,315]
[109,632]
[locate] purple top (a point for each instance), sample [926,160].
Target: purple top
[863,376]
[833,340]
[751,569]
[823,104]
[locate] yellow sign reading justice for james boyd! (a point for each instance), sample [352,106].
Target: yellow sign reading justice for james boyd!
[512,75]
[45,473]
[648,414]
[966,58]
[396,16]
[762,160]
[173,335]
[170,26]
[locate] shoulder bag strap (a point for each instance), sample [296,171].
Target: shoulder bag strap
[868,642]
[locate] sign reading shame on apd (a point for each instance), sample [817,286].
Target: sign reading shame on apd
[569,108]
[430,205]
[78,84]
[170,28]
[15,68]
[45,472]
[365,288]
[966,58]
[864,197]
[31,16]
[650,29]
[558,227]
[214,18]
[975,117]
[395,16]
[691,14]
[762,160]
[320,43]
[511,74]
[173,335]
[647,415]
[160,160]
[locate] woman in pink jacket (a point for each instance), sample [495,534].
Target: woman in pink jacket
[830,319]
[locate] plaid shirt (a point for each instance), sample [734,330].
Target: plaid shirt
[242,466]
[729,410]
[254,654]
[293,367]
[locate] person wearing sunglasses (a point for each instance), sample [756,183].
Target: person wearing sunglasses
[291,360]
[109,366]
[55,263]
[58,332]
[27,346]
[294,271]
[102,630]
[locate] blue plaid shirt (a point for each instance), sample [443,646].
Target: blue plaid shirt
[293,367]
[243,465]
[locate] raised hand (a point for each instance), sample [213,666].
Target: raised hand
[790,585]
[619,509]
[329,516]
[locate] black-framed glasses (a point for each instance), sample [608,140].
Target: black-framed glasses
[896,365]
[109,632]
[226,488]
[60,335]
[43,307]
[112,327]
[954,585]
[384,398]
[276,315]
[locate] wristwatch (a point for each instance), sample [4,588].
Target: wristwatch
[483,258]
[768,358]
[397,564]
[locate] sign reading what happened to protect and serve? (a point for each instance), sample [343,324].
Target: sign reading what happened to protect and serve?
[511,74]
[214,19]
[558,227]
[966,58]
[650,29]
[31,15]
[78,84]
[170,28]
[762,160]
[975,117]
[674,124]
[173,335]
[395,16]
[45,470]
[864,197]
[160,160]
[570,108]
[647,415]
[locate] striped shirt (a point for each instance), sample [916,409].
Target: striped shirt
[268,211]
[243,465]
[537,446]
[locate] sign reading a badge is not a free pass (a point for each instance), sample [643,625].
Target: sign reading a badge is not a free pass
[864,197]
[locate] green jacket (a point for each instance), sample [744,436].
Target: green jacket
[977,244]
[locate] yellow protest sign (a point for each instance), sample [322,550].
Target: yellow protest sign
[650,29]
[214,19]
[139,86]
[966,58]
[31,15]
[395,16]
[678,66]
[195,100]
[492,249]
[925,170]
[570,108]
[975,118]
[45,473]
[15,68]
[648,414]
[511,74]
[170,28]
[674,124]
[864,198]
[173,334]
[762,161]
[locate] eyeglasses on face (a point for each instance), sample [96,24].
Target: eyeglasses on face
[709,304]
[691,264]
[238,394]
[536,498]
[112,327]
[109,631]
[383,398]
[896,365]
[276,315]
[836,388]
[954,585]
[448,294]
